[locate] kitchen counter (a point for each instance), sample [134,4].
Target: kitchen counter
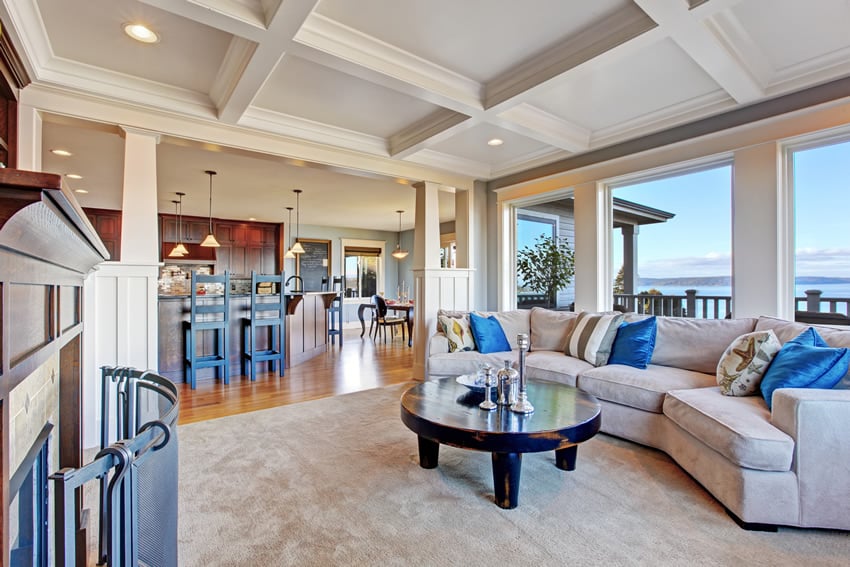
[305,334]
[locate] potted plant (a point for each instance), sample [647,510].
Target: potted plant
[546,267]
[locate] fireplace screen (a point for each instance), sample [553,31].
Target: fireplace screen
[28,509]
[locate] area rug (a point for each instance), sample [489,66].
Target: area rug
[337,482]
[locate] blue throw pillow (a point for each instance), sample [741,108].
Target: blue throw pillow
[488,333]
[805,362]
[634,343]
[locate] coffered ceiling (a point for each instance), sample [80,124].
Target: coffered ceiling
[429,82]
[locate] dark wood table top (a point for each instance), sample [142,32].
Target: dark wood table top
[448,412]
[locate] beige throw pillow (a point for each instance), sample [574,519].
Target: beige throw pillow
[458,332]
[592,337]
[745,361]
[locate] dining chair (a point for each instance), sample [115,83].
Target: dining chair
[382,320]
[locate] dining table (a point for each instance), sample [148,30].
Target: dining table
[406,308]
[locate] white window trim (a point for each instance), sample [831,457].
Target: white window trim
[382,245]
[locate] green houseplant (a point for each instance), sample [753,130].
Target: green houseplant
[546,267]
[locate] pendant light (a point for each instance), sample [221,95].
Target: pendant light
[289,253]
[297,248]
[399,253]
[210,241]
[176,252]
[181,248]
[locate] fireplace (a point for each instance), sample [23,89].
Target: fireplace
[29,510]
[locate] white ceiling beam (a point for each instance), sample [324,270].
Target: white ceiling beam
[430,130]
[690,33]
[231,17]
[283,26]
[539,125]
[516,85]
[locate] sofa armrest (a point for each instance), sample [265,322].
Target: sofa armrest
[819,422]
[438,344]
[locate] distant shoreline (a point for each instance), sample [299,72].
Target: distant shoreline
[721,281]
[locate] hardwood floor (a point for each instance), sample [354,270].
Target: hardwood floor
[359,365]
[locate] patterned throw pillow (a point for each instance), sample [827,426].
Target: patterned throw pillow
[592,336]
[745,361]
[458,332]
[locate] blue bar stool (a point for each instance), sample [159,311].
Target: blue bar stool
[268,315]
[209,312]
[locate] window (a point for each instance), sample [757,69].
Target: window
[821,201]
[531,225]
[363,274]
[682,224]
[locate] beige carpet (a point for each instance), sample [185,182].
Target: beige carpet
[337,482]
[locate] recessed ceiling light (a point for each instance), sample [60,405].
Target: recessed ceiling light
[495,142]
[251,219]
[140,32]
[81,191]
[73,176]
[63,153]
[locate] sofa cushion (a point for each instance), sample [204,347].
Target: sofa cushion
[833,335]
[593,335]
[466,362]
[488,334]
[696,344]
[513,322]
[745,361]
[634,343]
[549,329]
[738,428]
[805,362]
[458,332]
[641,389]
[554,366]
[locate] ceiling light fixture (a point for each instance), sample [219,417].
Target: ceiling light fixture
[73,176]
[495,142]
[80,191]
[180,248]
[297,248]
[399,253]
[176,252]
[141,32]
[63,153]
[289,253]
[210,241]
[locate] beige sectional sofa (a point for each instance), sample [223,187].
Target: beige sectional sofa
[785,467]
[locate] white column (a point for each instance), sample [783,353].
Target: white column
[121,297]
[762,234]
[463,225]
[593,247]
[29,138]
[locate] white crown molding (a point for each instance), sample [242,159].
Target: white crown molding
[446,162]
[526,161]
[225,15]
[729,30]
[618,30]
[301,128]
[542,126]
[681,113]
[435,127]
[329,36]
[31,36]
[235,61]
[816,70]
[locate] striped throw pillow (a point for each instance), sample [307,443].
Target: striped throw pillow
[593,335]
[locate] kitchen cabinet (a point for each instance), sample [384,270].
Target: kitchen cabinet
[107,224]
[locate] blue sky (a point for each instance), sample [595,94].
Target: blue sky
[697,241]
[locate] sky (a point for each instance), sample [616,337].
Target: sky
[697,241]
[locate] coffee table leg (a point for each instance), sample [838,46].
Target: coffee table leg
[565,459]
[429,452]
[506,471]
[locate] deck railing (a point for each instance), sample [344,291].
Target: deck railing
[688,305]
[814,301]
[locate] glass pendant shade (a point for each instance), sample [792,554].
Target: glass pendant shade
[176,252]
[210,241]
[289,253]
[399,253]
[297,248]
[180,248]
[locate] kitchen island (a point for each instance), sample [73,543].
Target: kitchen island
[305,335]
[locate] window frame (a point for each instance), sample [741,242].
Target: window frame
[381,276]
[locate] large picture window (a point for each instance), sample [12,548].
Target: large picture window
[362,268]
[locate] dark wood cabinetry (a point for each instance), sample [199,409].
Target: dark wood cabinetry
[107,224]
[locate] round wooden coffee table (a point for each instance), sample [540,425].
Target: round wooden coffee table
[445,412]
